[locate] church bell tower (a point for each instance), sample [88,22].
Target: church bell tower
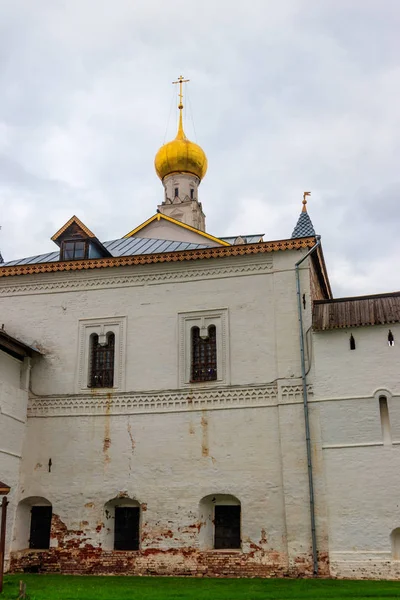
[181,165]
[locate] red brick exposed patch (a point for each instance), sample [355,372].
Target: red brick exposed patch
[174,561]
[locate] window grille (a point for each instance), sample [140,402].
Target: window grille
[126,532]
[39,538]
[102,362]
[204,355]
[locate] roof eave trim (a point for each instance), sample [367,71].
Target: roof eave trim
[163,257]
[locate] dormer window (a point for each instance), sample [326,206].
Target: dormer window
[77,242]
[74,249]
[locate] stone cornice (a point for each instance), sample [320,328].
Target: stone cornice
[165,257]
[180,400]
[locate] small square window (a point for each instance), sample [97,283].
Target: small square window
[74,250]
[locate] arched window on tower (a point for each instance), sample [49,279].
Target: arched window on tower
[101,372]
[204,354]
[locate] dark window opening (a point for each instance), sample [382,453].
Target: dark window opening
[385,421]
[192,194]
[204,355]
[102,362]
[176,192]
[126,532]
[74,250]
[390,338]
[227,527]
[352,343]
[39,537]
[304,301]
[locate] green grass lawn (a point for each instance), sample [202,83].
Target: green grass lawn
[67,587]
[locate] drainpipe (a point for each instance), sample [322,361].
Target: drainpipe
[305,406]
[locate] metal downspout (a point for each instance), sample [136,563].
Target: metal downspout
[305,406]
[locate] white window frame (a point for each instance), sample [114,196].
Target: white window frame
[101,327]
[203,319]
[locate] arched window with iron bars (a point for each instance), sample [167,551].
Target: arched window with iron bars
[204,355]
[101,372]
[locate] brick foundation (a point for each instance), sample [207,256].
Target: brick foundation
[192,562]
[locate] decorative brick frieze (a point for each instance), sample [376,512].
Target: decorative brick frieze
[148,402]
[80,281]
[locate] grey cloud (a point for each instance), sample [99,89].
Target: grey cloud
[286,97]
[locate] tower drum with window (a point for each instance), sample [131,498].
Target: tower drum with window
[101,371]
[204,354]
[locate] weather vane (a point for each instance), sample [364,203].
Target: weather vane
[305,200]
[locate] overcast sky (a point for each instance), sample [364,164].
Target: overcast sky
[286,96]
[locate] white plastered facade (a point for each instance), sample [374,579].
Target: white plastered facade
[168,445]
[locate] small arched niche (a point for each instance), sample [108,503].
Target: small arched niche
[220,516]
[122,524]
[395,541]
[33,524]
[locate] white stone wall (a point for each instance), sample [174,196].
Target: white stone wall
[362,474]
[13,407]
[164,445]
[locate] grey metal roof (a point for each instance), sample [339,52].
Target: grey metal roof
[137,245]
[249,239]
[121,247]
[304,227]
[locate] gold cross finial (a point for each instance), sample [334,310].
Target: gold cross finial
[305,200]
[180,81]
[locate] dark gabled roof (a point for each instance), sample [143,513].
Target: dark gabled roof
[304,227]
[379,309]
[16,347]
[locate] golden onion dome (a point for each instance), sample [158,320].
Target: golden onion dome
[180,156]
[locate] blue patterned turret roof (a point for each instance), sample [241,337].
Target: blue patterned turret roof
[304,227]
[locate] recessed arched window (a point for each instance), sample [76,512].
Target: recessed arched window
[101,373]
[204,355]
[123,524]
[385,421]
[220,515]
[395,539]
[33,519]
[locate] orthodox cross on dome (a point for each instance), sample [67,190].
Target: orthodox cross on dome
[180,81]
